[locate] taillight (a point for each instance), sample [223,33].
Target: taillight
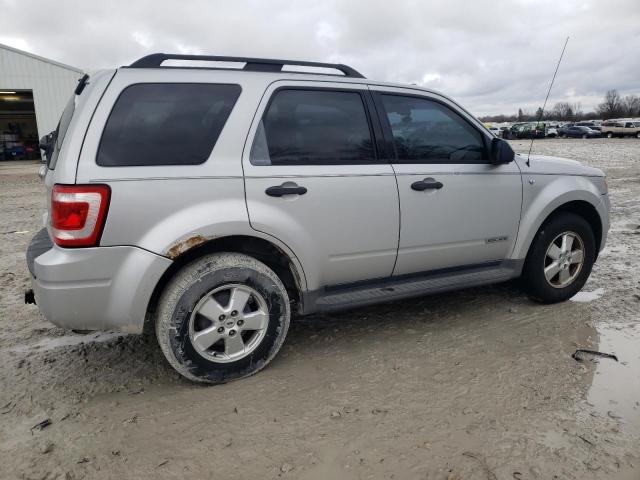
[78,213]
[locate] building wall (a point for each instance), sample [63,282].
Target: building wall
[52,83]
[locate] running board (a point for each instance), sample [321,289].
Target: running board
[390,289]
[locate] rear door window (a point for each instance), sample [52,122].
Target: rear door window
[314,127]
[165,124]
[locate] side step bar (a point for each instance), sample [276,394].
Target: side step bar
[341,298]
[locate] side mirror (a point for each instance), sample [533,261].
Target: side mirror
[501,152]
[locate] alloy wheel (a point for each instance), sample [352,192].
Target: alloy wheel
[228,323]
[564,259]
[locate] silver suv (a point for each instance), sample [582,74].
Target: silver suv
[218,201]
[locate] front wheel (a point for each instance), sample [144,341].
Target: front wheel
[609,135]
[222,317]
[585,136]
[560,258]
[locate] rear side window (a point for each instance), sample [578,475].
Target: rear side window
[425,131]
[165,124]
[314,127]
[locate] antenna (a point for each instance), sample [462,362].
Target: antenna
[547,98]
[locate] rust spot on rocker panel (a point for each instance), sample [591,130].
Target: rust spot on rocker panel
[182,246]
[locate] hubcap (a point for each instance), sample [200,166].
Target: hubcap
[564,259]
[228,323]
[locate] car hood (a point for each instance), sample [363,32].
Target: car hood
[546,165]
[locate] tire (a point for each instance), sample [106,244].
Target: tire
[555,290]
[609,135]
[585,136]
[214,284]
[638,135]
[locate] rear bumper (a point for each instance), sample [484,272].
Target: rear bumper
[102,288]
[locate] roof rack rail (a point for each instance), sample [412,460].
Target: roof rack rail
[251,64]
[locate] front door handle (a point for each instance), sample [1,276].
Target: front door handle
[427,183]
[280,190]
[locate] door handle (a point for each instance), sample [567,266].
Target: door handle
[280,190]
[427,183]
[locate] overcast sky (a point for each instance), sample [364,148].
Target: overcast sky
[492,56]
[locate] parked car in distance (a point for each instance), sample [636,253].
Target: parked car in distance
[552,132]
[612,128]
[578,132]
[496,131]
[591,125]
[213,204]
[534,130]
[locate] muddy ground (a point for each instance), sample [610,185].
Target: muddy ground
[478,384]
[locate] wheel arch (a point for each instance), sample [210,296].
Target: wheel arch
[587,211]
[283,263]
[583,208]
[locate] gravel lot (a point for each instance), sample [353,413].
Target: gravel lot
[477,384]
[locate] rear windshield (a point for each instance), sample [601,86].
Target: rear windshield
[165,124]
[61,132]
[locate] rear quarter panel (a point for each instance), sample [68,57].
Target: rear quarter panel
[168,208]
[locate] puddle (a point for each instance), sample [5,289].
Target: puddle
[50,343]
[587,296]
[615,390]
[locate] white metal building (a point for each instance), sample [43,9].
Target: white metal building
[33,93]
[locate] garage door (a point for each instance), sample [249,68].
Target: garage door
[18,127]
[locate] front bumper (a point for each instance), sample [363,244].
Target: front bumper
[101,288]
[605,209]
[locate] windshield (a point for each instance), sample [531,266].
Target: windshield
[61,131]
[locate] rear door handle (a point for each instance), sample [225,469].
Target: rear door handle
[280,190]
[427,183]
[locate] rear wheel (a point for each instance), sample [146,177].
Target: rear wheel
[585,136]
[222,317]
[560,258]
[638,135]
[609,135]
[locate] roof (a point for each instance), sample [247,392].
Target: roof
[42,59]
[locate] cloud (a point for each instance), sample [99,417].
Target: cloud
[17,42]
[492,56]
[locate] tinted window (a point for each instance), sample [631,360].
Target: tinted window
[165,124]
[313,127]
[61,132]
[425,131]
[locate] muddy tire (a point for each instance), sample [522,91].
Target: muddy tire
[560,258]
[222,317]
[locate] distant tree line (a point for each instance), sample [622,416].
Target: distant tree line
[612,106]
